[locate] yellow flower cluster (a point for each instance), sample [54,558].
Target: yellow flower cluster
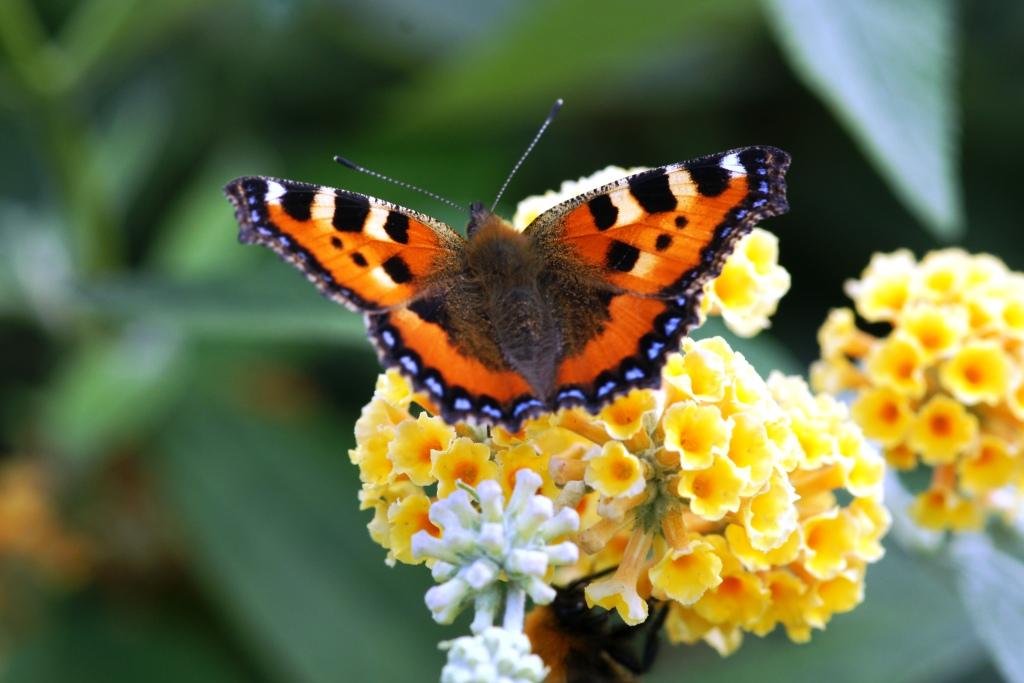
[745,294]
[944,386]
[719,493]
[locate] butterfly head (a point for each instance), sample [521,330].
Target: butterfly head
[479,215]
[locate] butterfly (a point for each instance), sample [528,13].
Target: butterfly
[582,306]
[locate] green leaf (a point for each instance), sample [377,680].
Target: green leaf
[198,236]
[97,643]
[991,585]
[276,305]
[571,48]
[275,531]
[909,629]
[110,389]
[887,71]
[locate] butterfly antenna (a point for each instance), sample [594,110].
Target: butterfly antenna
[533,143]
[356,167]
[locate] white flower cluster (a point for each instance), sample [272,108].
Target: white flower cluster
[494,656]
[485,544]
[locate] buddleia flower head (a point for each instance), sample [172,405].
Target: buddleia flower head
[941,386]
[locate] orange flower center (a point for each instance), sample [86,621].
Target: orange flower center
[815,538]
[466,471]
[426,447]
[622,470]
[974,374]
[930,339]
[905,369]
[702,487]
[889,412]
[941,425]
[987,456]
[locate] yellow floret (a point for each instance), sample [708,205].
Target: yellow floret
[873,520]
[864,468]
[752,451]
[735,287]
[979,373]
[991,465]
[938,330]
[941,430]
[884,287]
[371,456]
[697,433]
[791,598]
[838,336]
[683,625]
[884,414]
[624,416]
[740,599]
[747,292]
[759,560]
[829,539]
[414,445]
[520,457]
[701,372]
[901,456]
[899,363]
[836,595]
[685,574]
[714,491]
[941,275]
[770,517]
[615,472]
[940,509]
[619,591]
[465,461]
[407,517]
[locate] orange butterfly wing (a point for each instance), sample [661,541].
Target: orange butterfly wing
[367,254]
[656,238]
[383,260]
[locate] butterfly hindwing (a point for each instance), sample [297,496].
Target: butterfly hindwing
[463,385]
[368,254]
[655,239]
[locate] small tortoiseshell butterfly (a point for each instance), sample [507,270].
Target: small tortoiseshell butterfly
[580,307]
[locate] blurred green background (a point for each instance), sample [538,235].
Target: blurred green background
[176,502]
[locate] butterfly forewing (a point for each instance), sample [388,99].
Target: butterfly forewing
[368,254]
[661,231]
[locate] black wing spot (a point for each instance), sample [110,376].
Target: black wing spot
[711,181]
[337,243]
[682,222]
[298,204]
[652,191]
[621,256]
[397,269]
[350,212]
[663,242]
[358,259]
[397,227]
[603,211]
[430,310]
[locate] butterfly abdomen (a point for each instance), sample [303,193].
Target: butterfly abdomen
[529,336]
[507,272]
